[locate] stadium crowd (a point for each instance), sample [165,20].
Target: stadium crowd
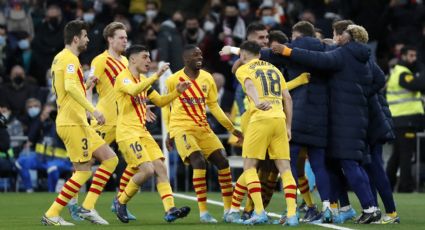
[32,33]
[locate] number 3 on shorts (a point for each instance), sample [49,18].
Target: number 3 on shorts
[85,143]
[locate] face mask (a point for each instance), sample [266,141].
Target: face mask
[88,17]
[2,40]
[243,6]
[268,20]
[232,20]
[209,26]
[151,13]
[18,80]
[54,22]
[33,111]
[6,115]
[216,8]
[24,44]
[179,25]
[192,31]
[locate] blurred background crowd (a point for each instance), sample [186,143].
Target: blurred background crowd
[31,34]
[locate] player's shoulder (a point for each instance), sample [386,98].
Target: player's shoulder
[207,75]
[125,74]
[100,58]
[242,69]
[174,77]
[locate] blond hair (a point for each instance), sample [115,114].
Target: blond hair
[110,29]
[358,33]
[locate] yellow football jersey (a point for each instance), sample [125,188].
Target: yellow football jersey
[72,105]
[106,68]
[269,82]
[188,111]
[131,109]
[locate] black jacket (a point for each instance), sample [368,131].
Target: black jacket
[349,87]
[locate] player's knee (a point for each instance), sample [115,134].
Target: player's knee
[223,164]
[198,163]
[148,170]
[111,163]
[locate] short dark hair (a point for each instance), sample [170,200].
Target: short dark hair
[407,48]
[251,47]
[135,49]
[74,28]
[278,36]
[341,25]
[305,28]
[253,27]
[188,48]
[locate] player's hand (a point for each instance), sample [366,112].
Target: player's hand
[225,51]
[239,135]
[278,48]
[183,85]
[169,143]
[91,82]
[288,132]
[150,116]
[99,117]
[163,68]
[265,105]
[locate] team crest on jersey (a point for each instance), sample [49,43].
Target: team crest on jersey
[70,68]
[126,81]
[204,88]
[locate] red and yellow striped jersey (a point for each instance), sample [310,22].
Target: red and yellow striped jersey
[68,84]
[188,111]
[106,68]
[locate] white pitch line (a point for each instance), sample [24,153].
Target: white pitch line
[271,214]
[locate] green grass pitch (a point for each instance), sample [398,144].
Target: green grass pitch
[23,211]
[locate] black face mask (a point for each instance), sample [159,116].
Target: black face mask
[54,22]
[179,25]
[18,80]
[231,21]
[192,31]
[216,8]
[152,44]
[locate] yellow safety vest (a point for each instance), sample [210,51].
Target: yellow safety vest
[50,151]
[402,101]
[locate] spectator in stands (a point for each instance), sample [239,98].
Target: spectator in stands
[43,150]
[48,41]
[95,34]
[170,41]
[267,17]
[5,52]
[14,126]
[17,91]
[19,20]
[215,125]
[23,55]
[246,11]
[405,101]
[6,156]
[192,33]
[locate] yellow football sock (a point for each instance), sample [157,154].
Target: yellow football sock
[70,188]
[130,190]
[100,178]
[238,193]
[166,193]
[200,186]
[392,215]
[290,190]
[305,190]
[254,189]
[225,181]
[125,178]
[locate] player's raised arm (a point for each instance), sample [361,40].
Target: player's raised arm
[163,100]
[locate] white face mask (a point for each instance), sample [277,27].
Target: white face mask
[6,115]
[33,111]
[88,17]
[151,13]
[209,26]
